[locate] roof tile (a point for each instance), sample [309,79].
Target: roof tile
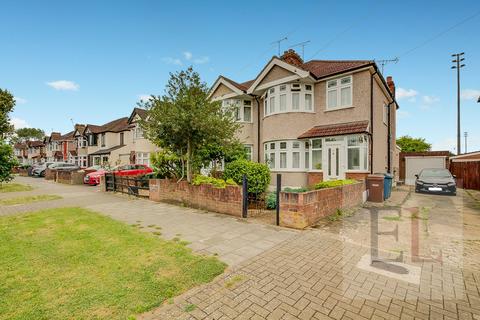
[335,129]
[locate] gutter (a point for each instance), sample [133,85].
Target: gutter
[371,120]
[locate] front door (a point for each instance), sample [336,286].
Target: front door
[335,168]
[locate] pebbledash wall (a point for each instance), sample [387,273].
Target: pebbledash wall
[301,210]
[227,200]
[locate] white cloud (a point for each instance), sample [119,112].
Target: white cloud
[402,114]
[470,94]
[20,100]
[201,60]
[19,123]
[188,55]
[430,99]
[63,85]
[401,93]
[144,97]
[174,61]
[448,144]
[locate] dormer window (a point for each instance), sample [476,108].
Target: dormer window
[294,97]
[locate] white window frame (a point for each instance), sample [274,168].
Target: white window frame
[142,158]
[312,149]
[338,88]
[289,149]
[137,132]
[240,105]
[385,113]
[363,153]
[249,151]
[288,90]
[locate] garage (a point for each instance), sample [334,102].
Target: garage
[411,163]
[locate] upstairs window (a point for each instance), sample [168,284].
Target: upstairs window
[137,132]
[293,97]
[339,93]
[242,109]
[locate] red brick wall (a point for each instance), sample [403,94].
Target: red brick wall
[301,210]
[314,178]
[205,196]
[356,175]
[50,174]
[70,177]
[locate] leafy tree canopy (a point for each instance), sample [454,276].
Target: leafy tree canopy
[7,162]
[185,121]
[409,144]
[7,104]
[24,134]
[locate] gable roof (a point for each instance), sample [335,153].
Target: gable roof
[117,125]
[67,136]
[142,113]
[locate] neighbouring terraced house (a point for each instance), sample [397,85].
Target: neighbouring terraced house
[316,120]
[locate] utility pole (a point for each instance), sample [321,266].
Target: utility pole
[465,134]
[458,65]
[278,43]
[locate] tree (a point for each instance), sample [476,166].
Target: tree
[409,144]
[7,162]
[24,134]
[184,120]
[7,103]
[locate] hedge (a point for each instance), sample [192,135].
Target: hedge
[258,174]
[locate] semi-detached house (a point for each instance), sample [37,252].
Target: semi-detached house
[316,120]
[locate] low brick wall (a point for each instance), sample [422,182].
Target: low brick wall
[50,174]
[301,210]
[205,196]
[70,177]
[23,172]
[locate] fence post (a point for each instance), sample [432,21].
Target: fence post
[277,207]
[244,197]
[114,187]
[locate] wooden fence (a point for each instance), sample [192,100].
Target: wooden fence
[468,174]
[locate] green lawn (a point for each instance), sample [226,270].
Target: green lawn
[28,199]
[14,187]
[73,263]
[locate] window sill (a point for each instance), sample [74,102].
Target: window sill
[286,112]
[357,171]
[341,108]
[289,170]
[315,171]
[246,122]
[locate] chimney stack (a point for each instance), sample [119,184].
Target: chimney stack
[391,85]
[291,57]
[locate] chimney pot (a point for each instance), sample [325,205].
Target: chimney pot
[391,85]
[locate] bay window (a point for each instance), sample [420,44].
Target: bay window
[242,109]
[291,155]
[339,93]
[293,97]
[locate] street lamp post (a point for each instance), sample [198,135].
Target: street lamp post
[458,65]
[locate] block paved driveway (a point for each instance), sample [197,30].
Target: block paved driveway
[426,264]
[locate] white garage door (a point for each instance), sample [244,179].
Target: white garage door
[413,166]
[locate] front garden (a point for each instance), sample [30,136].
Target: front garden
[73,263]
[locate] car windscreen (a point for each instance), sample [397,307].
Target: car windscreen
[435,173]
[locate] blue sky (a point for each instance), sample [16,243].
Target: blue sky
[109,53]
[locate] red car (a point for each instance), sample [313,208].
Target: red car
[93,178]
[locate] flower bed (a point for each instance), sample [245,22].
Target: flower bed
[304,209]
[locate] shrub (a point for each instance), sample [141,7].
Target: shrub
[258,174]
[295,190]
[230,182]
[217,183]
[333,183]
[271,200]
[166,164]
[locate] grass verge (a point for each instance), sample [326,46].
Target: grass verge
[29,199]
[70,261]
[14,187]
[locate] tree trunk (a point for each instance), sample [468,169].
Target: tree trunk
[189,161]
